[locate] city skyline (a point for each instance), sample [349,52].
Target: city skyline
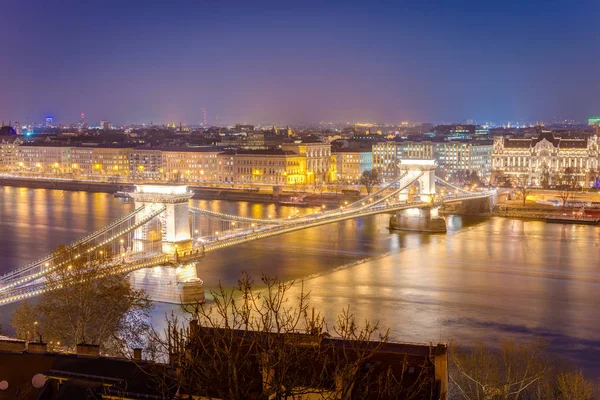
[300,63]
[51,122]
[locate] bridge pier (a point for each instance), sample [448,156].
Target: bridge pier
[479,207]
[418,220]
[168,284]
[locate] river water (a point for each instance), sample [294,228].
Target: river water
[485,280]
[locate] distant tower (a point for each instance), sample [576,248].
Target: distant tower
[81,122]
[204,112]
[49,122]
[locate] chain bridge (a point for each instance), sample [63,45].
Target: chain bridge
[164,230]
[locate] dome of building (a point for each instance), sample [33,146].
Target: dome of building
[7,130]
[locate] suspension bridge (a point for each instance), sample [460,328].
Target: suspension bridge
[164,230]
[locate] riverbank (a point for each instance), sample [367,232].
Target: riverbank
[538,212]
[201,193]
[86,186]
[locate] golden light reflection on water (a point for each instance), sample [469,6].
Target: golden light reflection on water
[485,279]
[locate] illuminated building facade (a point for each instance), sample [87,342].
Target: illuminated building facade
[317,156]
[455,157]
[190,164]
[277,167]
[145,164]
[452,156]
[82,160]
[8,152]
[110,161]
[43,159]
[387,155]
[351,163]
[528,160]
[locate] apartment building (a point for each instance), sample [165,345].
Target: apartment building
[110,161]
[317,156]
[145,163]
[452,157]
[351,163]
[43,159]
[276,167]
[190,164]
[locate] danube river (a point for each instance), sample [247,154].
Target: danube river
[484,280]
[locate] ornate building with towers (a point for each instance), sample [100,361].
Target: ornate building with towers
[530,161]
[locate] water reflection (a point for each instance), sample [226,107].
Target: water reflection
[483,280]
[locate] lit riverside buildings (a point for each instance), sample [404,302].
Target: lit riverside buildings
[318,159]
[349,164]
[525,161]
[274,166]
[8,152]
[453,157]
[145,163]
[111,161]
[190,164]
[294,163]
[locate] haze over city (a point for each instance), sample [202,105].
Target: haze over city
[335,200]
[299,62]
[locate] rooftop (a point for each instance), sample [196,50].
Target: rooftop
[562,143]
[266,152]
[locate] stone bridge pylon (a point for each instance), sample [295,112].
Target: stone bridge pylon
[424,173]
[164,283]
[419,219]
[174,224]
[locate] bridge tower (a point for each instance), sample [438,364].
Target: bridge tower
[175,232]
[419,219]
[414,169]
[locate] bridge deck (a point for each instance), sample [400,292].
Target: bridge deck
[30,280]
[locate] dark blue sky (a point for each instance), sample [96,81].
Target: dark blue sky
[299,61]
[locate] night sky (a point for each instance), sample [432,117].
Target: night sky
[299,61]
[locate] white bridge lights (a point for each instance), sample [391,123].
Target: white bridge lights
[174,222]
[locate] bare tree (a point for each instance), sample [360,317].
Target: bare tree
[23,321]
[565,195]
[89,302]
[369,179]
[500,179]
[253,343]
[567,184]
[573,386]
[481,373]
[524,189]
[515,371]
[545,178]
